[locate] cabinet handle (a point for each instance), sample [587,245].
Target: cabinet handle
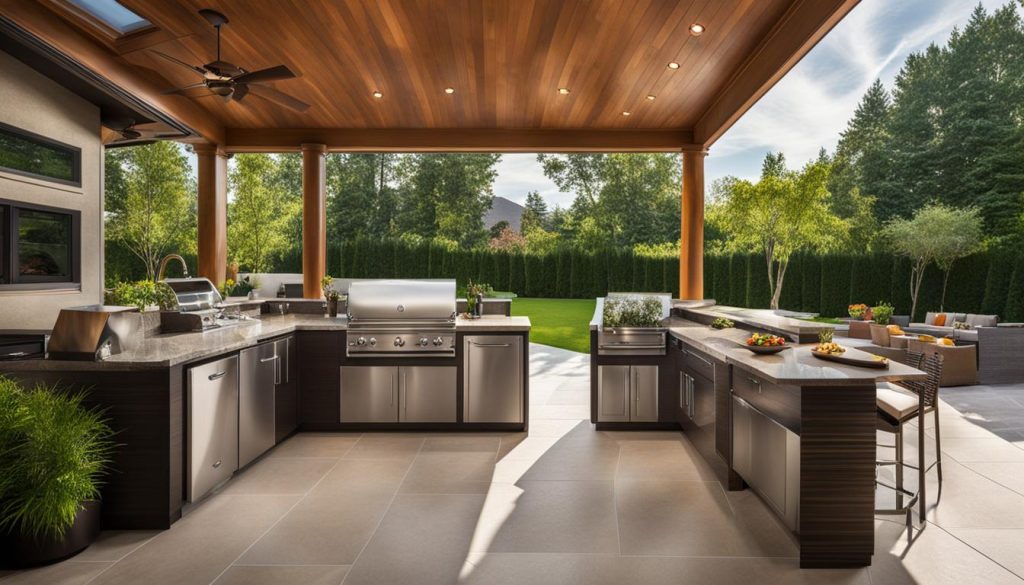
[491,344]
[17,354]
[269,359]
[681,389]
[755,382]
[217,464]
[392,389]
[706,362]
[405,388]
[217,376]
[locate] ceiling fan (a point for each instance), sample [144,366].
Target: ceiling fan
[132,133]
[231,82]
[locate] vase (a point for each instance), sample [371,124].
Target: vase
[478,306]
[23,550]
[332,307]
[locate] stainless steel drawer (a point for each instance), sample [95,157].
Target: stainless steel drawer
[782,403]
[699,363]
[212,454]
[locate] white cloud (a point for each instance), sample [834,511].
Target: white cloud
[518,174]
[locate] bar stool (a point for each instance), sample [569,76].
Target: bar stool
[899,403]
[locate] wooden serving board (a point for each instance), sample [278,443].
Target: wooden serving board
[851,361]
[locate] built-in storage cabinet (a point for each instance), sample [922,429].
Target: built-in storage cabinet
[389,394]
[256,401]
[286,388]
[627,393]
[427,394]
[493,378]
[212,443]
[767,457]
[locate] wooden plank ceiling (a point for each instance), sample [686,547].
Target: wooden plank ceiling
[505,59]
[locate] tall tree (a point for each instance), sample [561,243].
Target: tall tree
[783,213]
[258,212]
[151,211]
[535,213]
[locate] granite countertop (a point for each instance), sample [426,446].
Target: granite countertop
[760,318]
[795,366]
[169,349]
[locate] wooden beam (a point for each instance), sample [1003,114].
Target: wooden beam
[140,84]
[691,248]
[314,219]
[796,33]
[212,210]
[458,140]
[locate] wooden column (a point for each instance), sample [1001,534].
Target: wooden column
[691,250]
[314,219]
[212,211]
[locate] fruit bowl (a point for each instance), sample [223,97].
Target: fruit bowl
[764,343]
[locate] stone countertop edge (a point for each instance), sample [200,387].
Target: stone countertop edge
[794,366]
[166,350]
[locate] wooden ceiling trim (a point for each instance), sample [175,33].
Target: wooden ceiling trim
[805,23]
[459,140]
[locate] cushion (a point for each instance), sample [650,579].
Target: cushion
[940,320]
[929,318]
[982,320]
[958,317]
[895,401]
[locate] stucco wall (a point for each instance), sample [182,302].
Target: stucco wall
[33,102]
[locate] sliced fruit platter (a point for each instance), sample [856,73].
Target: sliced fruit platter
[834,352]
[765,343]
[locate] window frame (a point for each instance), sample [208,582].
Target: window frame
[9,249]
[76,157]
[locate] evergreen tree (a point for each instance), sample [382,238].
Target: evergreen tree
[535,213]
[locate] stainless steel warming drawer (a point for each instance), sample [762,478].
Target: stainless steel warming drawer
[493,379]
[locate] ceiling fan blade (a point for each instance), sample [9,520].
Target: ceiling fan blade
[182,90]
[195,68]
[241,90]
[268,74]
[280,98]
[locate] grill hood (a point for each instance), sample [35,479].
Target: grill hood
[401,300]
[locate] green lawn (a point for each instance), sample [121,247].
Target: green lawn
[828,320]
[561,323]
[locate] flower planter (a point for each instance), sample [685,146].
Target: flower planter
[20,550]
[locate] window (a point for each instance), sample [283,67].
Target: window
[113,14]
[29,154]
[39,246]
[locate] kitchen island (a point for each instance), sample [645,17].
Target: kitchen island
[145,393]
[798,430]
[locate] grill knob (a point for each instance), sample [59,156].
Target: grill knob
[438,340]
[399,342]
[361,341]
[424,341]
[373,341]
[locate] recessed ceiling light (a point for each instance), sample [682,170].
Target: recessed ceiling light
[696,29]
[673,65]
[449,90]
[651,97]
[626,113]
[378,94]
[563,90]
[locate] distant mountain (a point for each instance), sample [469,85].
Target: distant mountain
[504,210]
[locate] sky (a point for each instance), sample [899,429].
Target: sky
[809,107]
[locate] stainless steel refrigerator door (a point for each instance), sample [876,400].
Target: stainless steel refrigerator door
[493,378]
[428,393]
[212,425]
[257,374]
[369,393]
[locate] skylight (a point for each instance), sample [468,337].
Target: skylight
[113,14]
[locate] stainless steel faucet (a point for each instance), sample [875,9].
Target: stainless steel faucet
[163,266]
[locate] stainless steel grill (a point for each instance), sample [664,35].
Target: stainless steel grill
[401,317]
[200,307]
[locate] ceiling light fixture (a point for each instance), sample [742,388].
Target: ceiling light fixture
[650,97]
[673,65]
[696,29]
[378,94]
[449,90]
[563,90]
[626,113]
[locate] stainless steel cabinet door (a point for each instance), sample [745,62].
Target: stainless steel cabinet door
[493,378]
[212,425]
[769,461]
[644,407]
[613,396]
[427,393]
[742,436]
[369,394]
[256,415]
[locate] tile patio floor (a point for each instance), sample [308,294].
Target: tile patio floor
[566,504]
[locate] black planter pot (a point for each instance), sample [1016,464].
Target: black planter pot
[20,550]
[332,307]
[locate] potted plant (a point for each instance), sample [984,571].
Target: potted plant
[144,295]
[53,454]
[858,311]
[475,298]
[882,312]
[330,294]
